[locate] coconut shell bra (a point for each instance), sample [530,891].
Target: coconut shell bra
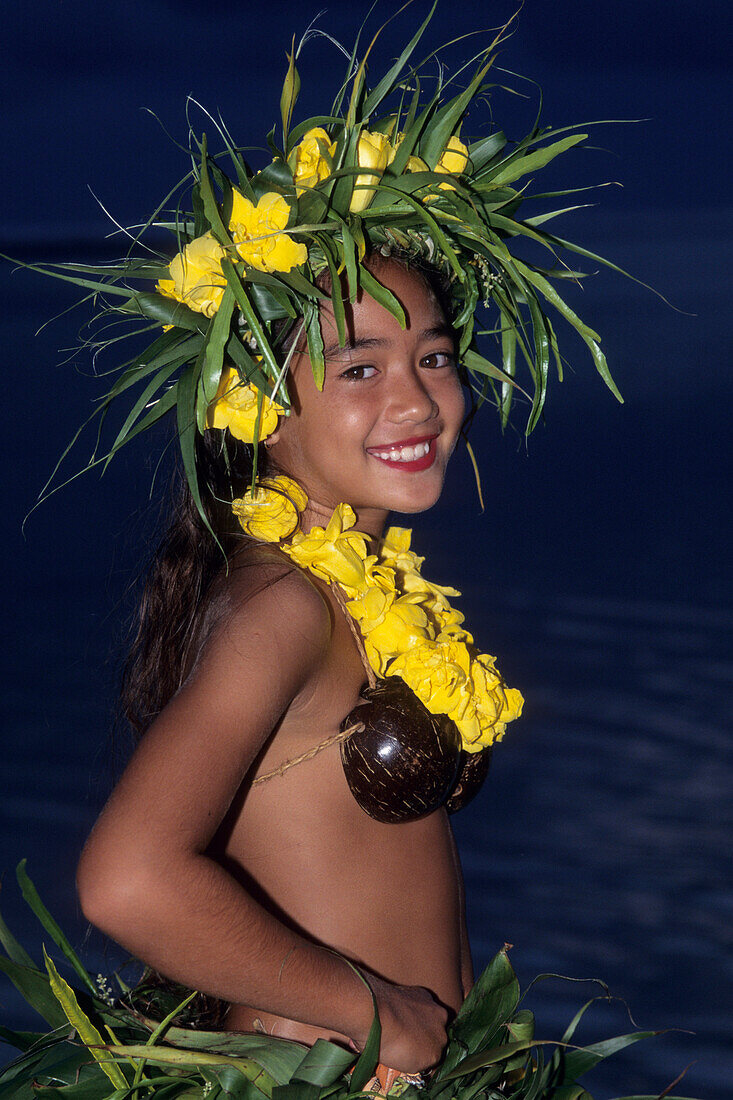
[405,762]
[421,737]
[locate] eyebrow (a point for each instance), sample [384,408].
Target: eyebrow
[366,343]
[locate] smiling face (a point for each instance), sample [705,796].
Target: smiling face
[380,433]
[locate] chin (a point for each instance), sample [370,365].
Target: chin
[413,500]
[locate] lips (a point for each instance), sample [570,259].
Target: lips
[409,454]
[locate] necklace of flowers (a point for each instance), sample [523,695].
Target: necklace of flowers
[407,623]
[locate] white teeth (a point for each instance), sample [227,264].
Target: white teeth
[404,454]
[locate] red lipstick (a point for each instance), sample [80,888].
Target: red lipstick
[415,465]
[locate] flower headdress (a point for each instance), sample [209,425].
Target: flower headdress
[390,167]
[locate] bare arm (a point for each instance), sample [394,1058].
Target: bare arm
[146,880]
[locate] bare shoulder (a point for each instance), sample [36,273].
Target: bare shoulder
[267,604]
[266,583]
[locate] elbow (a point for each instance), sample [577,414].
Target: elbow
[110,890]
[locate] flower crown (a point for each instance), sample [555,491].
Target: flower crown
[390,168]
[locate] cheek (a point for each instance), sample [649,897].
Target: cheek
[453,405]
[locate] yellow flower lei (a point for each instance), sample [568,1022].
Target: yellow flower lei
[408,625]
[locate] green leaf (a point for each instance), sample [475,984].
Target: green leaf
[302,128]
[509,358]
[280,1057]
[490,1003]
[368,1059]
[446,120]
[165,310]
[130,268]
[275,177]
[346,157]
[435,231]
[475,362]
[298,1090]
[541,360]
[186,420]
[88,284]
[516,166]
[85,1029]
[34,986]
[217,338]
[271,301]
[587,334]
[248,368]
[476,473]
[30,895]
[337,300]
[16,952]
[577,1062]
[242,299]
[211,208]
[302,286]
[145,397]
[183,1059]
[350,261]
[315,342]
[383,295]
[21,1040]
[481,152]
[289,94]
[491,1057]
[387,83]
[323,1064]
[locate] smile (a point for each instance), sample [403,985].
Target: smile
[411,455]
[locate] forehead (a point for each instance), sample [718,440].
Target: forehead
[369,325]
[366,316]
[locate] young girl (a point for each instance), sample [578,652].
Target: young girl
[310,706]
[256,892]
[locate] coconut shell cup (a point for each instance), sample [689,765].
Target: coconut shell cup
[474,767]
[404,763]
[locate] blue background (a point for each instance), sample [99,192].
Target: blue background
[599,572]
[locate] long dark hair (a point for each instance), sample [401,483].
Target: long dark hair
[181,573]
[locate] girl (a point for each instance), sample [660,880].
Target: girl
[254,892]
[280,838]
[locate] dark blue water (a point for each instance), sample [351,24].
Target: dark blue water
[600,846]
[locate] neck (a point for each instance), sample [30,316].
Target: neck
[370,521]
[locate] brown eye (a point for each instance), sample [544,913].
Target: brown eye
[438,359]
[357,374]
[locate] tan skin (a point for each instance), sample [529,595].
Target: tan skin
[257,895]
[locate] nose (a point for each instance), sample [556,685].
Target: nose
[410,401]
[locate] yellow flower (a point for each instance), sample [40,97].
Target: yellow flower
[272,512]
[196,279]
[450,625]
[438,673]
[374,151]
[235,408]
[395,551]
[403,626]
[396,540]
[370,607]
[312,159]
[453,160]
[334,554]
[492,706]
[257,231]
